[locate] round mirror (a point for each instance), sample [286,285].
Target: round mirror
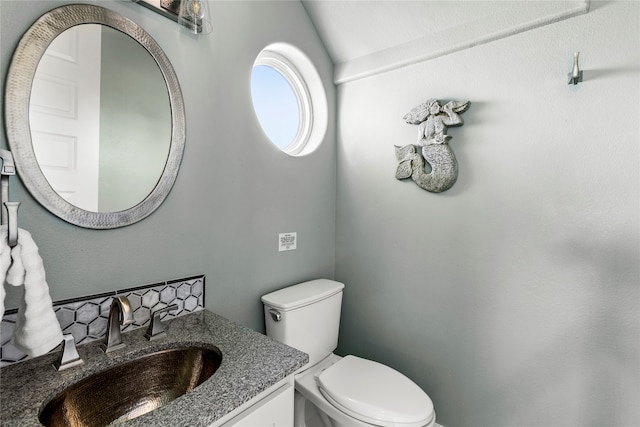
[95,117]
[100,119]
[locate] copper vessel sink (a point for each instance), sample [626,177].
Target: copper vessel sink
[132,388]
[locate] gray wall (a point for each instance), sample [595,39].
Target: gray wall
[235,191]
[512,298]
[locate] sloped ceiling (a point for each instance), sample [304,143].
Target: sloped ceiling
[367,37]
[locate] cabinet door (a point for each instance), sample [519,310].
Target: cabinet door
[275,410]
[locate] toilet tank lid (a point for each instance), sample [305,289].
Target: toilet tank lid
[302,294]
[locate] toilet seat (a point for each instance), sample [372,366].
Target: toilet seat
[374,393]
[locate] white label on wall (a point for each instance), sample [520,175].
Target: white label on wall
[287,241]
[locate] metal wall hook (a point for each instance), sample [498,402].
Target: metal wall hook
[575,76]
[12,222]
[8,210]
[8,169]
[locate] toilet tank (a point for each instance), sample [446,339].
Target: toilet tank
[306,316]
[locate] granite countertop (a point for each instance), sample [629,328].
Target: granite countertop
[251,363]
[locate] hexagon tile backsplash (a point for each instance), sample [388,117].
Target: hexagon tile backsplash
[86,317]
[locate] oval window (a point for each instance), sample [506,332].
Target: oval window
[288,99]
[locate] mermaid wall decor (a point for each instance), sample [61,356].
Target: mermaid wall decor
[432,120]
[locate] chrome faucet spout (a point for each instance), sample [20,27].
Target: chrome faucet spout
[120,314]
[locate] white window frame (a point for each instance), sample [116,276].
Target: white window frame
[298,70]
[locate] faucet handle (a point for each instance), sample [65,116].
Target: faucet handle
[69,356]
[155,329]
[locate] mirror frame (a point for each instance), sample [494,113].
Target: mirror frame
[20,75]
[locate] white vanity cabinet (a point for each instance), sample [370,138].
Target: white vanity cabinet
[272,408]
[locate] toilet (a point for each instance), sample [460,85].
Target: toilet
[335,391]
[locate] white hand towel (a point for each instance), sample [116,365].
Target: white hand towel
[37,328]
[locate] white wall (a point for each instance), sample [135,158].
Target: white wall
[512,298]
[235,191]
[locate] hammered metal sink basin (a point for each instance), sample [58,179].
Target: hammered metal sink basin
[132,388]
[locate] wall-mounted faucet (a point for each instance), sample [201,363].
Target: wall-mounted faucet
[119,314]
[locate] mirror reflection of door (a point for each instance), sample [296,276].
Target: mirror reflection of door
[65,115]
[100,118]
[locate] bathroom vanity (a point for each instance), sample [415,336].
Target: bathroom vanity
[253,384]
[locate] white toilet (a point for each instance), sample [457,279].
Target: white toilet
[334,391]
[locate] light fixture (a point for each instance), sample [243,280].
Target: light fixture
[193,15]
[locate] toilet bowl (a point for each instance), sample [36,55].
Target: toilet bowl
[335,391]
